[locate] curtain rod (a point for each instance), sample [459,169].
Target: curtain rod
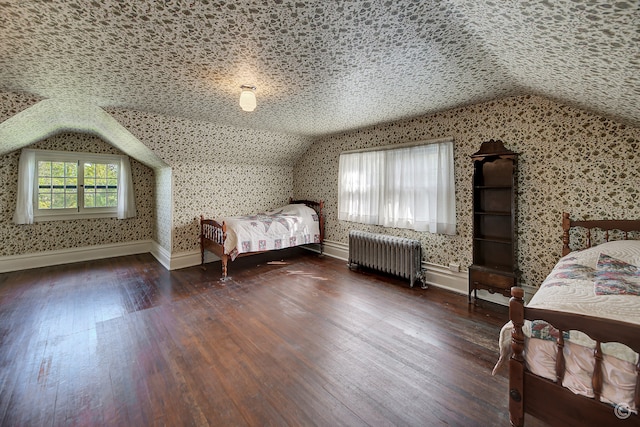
[405,145]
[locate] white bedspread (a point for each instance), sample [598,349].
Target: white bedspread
[602,281]
[289,226]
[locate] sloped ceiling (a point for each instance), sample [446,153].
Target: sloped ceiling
[321,66]
[51,116]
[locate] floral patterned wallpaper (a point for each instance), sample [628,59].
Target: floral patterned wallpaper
[52,235]
[217,190]
[216,170]
[570,160]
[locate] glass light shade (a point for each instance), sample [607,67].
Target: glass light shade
[247,99]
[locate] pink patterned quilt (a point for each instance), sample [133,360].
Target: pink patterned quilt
[289,226]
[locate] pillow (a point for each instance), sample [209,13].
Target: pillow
[295,209]
[616,277]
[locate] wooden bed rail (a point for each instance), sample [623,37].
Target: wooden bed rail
[624,225]
[598,329]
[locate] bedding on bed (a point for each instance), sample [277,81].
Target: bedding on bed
[602,281]
[289,226]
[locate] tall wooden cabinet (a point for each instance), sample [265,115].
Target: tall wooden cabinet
[495,261]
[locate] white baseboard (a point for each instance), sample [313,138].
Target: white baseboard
[161,254]
[66,256]
[336,250]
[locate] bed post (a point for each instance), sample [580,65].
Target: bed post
[202,243]
[321,220]
[566,225]
[225,259]
[516,363]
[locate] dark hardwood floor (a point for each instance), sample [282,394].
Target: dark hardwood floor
[122,341]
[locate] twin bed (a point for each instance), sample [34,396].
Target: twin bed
[573,350]
[301,222]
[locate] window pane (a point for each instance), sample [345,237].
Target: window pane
[112,172]
[71,200]
[71,169]
[57,182]
[57,168]
[101,184]
[44,201]
[57,201]
[89,200]
[44,168]
[101,170]
[100,199]
[112,200]
[89,170]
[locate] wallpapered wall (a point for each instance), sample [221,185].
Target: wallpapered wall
[216,190]
[243,174]
[52,235]
[570,160]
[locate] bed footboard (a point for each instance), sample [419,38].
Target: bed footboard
[549,400]
[212,237]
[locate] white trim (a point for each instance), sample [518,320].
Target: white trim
[69,215]
[161,254]
[66,256]
[336,250]
[190,259]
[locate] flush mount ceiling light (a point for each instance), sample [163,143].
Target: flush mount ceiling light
[248,98]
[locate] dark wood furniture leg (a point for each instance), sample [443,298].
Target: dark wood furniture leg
[516,363]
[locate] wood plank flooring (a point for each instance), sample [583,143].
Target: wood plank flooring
[122,341]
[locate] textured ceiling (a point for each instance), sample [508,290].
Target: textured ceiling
[322,66]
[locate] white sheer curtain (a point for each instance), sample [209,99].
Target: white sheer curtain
[408,187]
[361,181]
[126,196]
[26,175]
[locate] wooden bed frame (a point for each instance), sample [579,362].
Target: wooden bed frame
[213,235]
[548,400]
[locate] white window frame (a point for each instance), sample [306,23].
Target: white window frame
[27,210]
[80,212]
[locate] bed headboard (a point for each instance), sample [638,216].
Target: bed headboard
[624,225]
[318,207]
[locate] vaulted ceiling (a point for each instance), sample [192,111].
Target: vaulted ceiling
[322,66]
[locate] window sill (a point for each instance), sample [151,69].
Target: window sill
[71,217]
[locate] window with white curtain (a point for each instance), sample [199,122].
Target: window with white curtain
[404,186]
[55,185]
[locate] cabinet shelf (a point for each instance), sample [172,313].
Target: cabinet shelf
[502,241]
[497,213]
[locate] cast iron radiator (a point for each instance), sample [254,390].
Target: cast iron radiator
[389,254]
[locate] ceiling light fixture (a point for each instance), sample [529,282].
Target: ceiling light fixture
[248,98]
